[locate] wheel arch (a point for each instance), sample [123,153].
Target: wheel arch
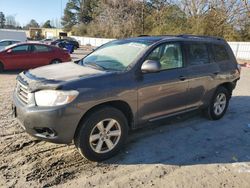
[123,106]
[1,65]
[229,86]
[55,59]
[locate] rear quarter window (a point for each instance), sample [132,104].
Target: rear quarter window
[220,53]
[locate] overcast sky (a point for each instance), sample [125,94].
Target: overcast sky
[40,10]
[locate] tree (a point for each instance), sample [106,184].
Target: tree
[158,4]
[11,22]
[171,20]
[78,12]
[69,18]
[213,17]
[32,23]
[117,18]
[125,18]
[55,23]
[2,20]
[244,28]
[47,24]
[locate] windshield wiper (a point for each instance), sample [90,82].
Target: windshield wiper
[95,65]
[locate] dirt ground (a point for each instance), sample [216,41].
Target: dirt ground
[185,151]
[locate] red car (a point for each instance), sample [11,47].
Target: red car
[31,55]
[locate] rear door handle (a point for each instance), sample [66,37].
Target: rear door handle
[182,78]
[216,73]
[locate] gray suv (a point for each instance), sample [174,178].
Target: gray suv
[123,85]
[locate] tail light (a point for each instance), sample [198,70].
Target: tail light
[239,68]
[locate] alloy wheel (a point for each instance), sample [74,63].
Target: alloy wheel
[220,104]
[105,135]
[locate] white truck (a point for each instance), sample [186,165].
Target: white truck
[13,34]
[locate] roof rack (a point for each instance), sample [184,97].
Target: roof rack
[200,36]
[143,35]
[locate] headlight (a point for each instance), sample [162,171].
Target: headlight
[54,97]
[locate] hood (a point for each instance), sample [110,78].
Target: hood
[62,72]
[52,76]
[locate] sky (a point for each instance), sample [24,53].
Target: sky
[40,10]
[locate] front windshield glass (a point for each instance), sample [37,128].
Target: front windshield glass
[2,48]
[116,56]
[8,47]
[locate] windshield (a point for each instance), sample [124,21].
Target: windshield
[2,48]
[8,47]
[117,55]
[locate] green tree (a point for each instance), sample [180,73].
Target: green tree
[2,20]
[169,20]
[78,12]
[69,18]
[32,23]
[244,28]
[47,24]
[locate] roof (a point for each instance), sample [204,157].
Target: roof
[176,37]
[9,40]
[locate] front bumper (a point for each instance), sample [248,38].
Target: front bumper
[53,124]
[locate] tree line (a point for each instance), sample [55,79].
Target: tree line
[124,18]
[9,22]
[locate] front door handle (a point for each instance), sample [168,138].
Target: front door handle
[182,78]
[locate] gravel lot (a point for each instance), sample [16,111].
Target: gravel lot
[185,151]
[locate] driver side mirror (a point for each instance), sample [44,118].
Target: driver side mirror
[150,66]
[9,51]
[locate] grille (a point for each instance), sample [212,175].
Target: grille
[22,92]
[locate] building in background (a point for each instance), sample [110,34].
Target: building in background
[20,35]
[47,33]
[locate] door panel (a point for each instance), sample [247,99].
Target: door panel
[202,73]
[40,55]
[18,58]
[162,93]
[201,80]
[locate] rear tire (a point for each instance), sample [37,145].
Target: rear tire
[55,61]
[102,134]
[218,104]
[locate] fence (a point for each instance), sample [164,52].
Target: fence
[241,49]
[92,41]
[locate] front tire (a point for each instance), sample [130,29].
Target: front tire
[218,105]
[102,134]
[1,67]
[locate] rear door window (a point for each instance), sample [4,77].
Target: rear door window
[41,48]
[220,53]
[197,54]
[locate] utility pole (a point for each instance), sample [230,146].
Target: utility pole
[143,16]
